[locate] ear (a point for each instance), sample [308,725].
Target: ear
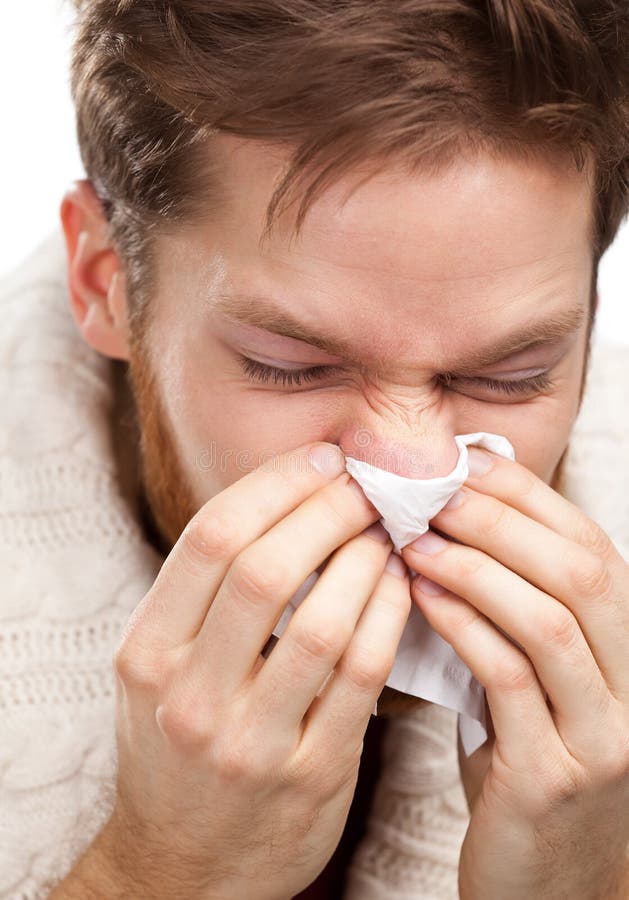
[96,279]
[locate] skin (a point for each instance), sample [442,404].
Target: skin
[354,266]
[413,271]
[549,792]
[204,423]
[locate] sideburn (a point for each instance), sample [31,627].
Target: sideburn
[165,502]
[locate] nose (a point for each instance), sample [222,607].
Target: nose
[427,453]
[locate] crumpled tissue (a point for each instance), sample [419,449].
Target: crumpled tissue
[425,665]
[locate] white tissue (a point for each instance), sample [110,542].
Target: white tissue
[425,666]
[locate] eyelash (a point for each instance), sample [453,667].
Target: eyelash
[260,372]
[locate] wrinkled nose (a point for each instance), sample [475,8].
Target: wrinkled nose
[430,454]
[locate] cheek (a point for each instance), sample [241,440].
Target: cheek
[225,429]
[541,431]
[220,426]
[540,440]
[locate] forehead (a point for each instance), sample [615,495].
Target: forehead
[397,210]
[485,240]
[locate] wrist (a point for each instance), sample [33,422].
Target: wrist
[96,875]
[107,869]
[145,871]
[611,884]
[139,870]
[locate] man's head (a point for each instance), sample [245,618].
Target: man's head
[474,219]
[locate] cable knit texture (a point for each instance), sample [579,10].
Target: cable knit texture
[75,562]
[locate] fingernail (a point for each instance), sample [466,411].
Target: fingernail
[327,459]
[478,461]
[455,500]
[377,532]
[426,586]
[396,565]
[429,543]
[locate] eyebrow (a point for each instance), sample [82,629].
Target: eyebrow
[263,313]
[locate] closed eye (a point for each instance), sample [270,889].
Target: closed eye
[258,371]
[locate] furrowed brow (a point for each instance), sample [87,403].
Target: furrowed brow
[539,333]
[263,313]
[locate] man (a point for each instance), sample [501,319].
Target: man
[442,283]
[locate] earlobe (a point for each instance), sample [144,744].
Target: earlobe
[96,284]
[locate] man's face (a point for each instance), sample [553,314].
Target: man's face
[411,276]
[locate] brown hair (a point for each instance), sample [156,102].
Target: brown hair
[339,82]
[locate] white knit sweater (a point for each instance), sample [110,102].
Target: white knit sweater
[75,562]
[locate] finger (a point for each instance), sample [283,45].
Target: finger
[320,630]
[175,607]
[547,631]
[265,576]
[340,715]
[580,580]
[524,727]
[517,486]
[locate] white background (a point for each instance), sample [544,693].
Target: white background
[40,157]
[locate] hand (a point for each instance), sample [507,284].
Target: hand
[550,817]
[236,771]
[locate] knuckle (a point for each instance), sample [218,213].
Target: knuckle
[323,641]
[236,761]
[590,577]
[334,497]
[185,723]
[591,536]
[560,629]
[238,769]
[512,674]
[306,772]
[365,552]
[466,619]
[233,766]
[256,579]
[364,669]
[210,536]
[497,520]
[616,763]
[528,484]
[319,770]
[124,666]
[567,781]
[397,600]
[472,563]
[303,772]
[317,776]
[135,671]
[326,779]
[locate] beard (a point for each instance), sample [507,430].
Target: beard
[164,495]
